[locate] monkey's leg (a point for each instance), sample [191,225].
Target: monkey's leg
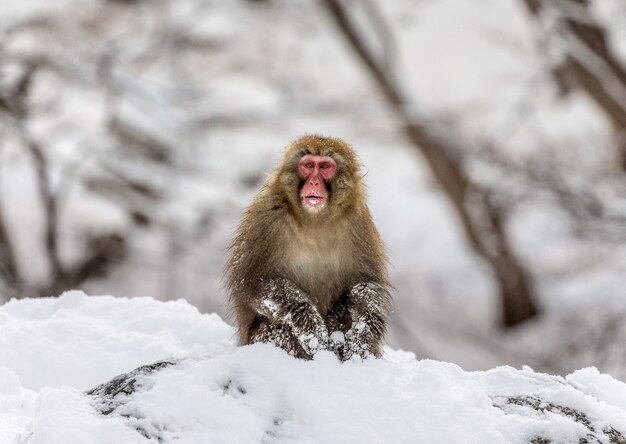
[368,304]
[284,303]
[264,330]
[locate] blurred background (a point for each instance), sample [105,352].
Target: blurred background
[133,133]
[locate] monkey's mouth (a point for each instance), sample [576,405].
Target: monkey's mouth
[313,202]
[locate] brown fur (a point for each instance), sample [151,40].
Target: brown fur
[324,254]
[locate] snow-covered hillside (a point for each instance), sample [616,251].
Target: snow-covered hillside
[58,356]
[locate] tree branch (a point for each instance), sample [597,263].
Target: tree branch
[441,154]
[589,60]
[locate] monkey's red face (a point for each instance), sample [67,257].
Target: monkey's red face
[317,172]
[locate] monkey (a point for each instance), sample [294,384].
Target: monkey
[307,269]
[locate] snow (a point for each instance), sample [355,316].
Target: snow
[54,350]
[81,341]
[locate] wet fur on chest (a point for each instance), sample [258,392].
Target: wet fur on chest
[320,263]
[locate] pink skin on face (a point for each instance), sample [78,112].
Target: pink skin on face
[316,171]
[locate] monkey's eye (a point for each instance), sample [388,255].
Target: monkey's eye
[324,166]
[308,165]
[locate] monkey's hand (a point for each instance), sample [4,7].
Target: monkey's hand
[358,342]
[368,304]
[283,302]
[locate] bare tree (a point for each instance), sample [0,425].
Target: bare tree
[130,157]
[587,61]
[483,222]
[101,249]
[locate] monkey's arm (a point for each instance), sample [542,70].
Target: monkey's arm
[282,301]
[368,304]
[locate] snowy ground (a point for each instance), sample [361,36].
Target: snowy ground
[53,351]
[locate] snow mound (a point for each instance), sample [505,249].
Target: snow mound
[182,380]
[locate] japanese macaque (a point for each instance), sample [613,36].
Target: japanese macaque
[307,268]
